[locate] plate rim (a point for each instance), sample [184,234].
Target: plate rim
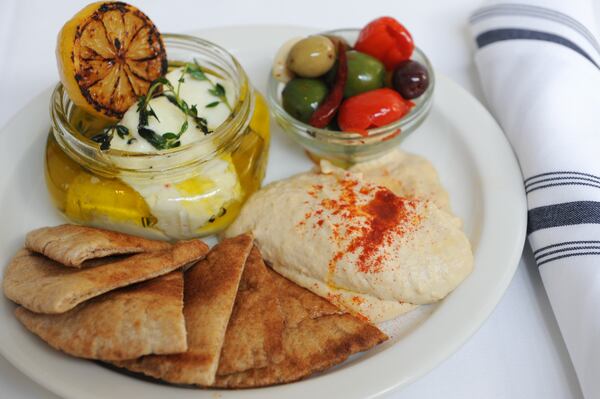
[385,381]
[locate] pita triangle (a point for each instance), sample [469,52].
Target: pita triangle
[72,245]
[209,294]
[280,332]
[127,323]
[45,286]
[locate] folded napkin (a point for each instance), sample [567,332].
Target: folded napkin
[539,67]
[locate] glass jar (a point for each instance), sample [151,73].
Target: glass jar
[190,191]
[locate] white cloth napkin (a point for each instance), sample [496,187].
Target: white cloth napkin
[538,62]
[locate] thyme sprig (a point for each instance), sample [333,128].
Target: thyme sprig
[217,89]
[104,138]
[162,86]
[169,139]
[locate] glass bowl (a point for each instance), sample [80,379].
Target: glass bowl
[346,148]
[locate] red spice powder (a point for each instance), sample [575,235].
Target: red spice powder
[357,300]
[336,299]
[387,216]
[373,225]
[362,317]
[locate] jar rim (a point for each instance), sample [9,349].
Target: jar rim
[223,135]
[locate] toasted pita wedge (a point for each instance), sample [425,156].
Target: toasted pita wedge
[45,286]
[280,332]
[71,245]
[127,323]
[209,295]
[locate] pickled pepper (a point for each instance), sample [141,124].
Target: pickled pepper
[326,111]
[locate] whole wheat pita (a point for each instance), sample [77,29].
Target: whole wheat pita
[209,295]
[280,332]
[141,319]
[72,245]
[45,286]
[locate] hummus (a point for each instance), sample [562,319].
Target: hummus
[357,243]
[407,175]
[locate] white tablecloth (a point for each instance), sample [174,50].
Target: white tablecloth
[518,353]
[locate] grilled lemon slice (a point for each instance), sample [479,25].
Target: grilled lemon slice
[108,54]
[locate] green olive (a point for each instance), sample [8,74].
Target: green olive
[312,57]
[301,97]
[365,73]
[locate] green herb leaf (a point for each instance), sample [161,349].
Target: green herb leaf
[141,103]
[184,127]
[195,71]
[150,112]
[99,138]
[122,131]
[172,99]
[218,90]
[213,104]
[151,137]
[202,124]
[162,81]
[105,137]
[197,74]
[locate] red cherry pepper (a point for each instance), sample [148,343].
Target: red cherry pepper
[372,109]
[387,40]
[326,111]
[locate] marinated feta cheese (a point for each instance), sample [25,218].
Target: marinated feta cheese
[170,118]
[183,207]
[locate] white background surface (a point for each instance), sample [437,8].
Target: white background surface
[518,352]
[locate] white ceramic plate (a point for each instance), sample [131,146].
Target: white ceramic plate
[464,142]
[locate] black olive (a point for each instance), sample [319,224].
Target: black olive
[410,79]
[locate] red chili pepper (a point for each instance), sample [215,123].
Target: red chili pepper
[372,109]
[387,40]
[326,111]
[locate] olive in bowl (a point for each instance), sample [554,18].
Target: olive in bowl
[365,73]
[410,79]
[312,57]
[361,141]
[301,97]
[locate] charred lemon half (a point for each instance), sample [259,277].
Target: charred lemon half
[108,54]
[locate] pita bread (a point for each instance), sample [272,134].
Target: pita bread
[45,286]
[72,245]
[209,295]
[127,323]
[280,332]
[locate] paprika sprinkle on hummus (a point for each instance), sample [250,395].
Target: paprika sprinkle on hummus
[372,224]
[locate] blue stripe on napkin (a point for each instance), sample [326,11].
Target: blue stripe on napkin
[540,263]
[565,243]
[565,214]
[566,249]
[558,179]
[527,10]
[496,35]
